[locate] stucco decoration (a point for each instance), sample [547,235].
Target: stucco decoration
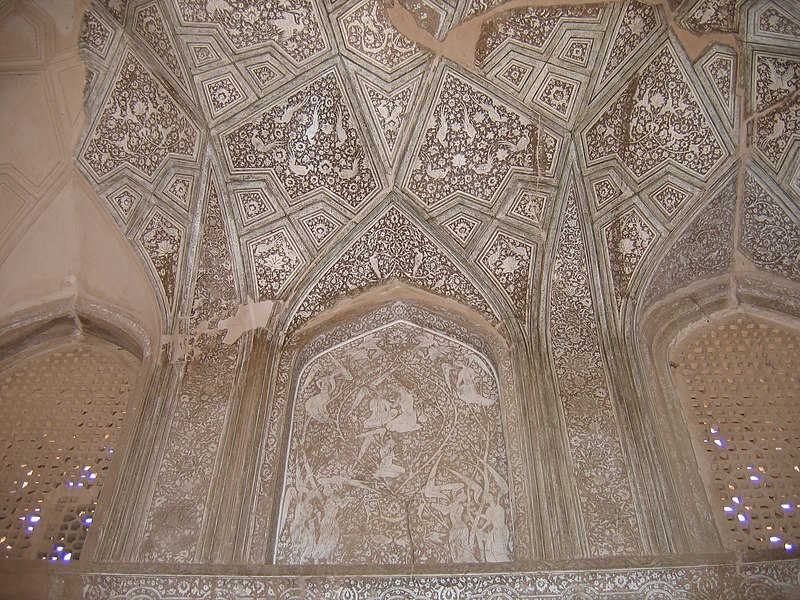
[392,247]
[397,455]
[770,236]
[657,118]
[309,141]
[597,459]
[141,126]
[628,238]
[635,27]
[162,240]
[703,250]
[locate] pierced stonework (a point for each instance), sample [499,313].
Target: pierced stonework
[275,259]
[369,33]
[529,27]
[770,237]
[462,227]
[293,24]
[656,119]
[310,142]
[140,126]
[253,205]
[149,24]
[601,474]
[397,455]
[628,238]
[62,414]
[530,207]
[321,226]
[472,142]
[508,260]
[638,22]
[703,250]
[737,383]
[162,241]
[393,247]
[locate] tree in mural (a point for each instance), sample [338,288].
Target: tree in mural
[396,455]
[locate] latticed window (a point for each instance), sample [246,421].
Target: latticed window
[739,382]
[62,413]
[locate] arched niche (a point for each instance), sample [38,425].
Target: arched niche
[402,440]
[691,361]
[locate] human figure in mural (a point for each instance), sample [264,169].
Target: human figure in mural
[387,468]
[493,533]
[458,538]
[317,405]
[466,386]
[328,526]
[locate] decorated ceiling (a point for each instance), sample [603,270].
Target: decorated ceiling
[304,150]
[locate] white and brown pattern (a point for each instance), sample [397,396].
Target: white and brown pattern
[162,241]
[149,23]
[321,226]
[95,34]
[310,142]
[530,206]
[223,93]
[462,227]
[776,80]
[275,259]
[720,68]
[124,200]
[578,51]
[253,204]
[180,187]
[628,238]
[390,110]
[638,22]
[508,260]
[139,127]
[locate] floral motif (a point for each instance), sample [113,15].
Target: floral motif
[670,197]
[529,207]
[638,21]
[391,248]
[628,237]
[140,126]
[713,15]
[321,226]
[472,142]
[369,33]
[558,94]
[180,188]
[578,51]
[125,200]
[770,237]
[117,8]
[292,24]
[253,204]
[310,142]
[529,26]
[202,54]
[162,241]
[149,23]
[703,250]
[776,22]
[720,70]
[597,457]
[515,73]
[427,15]
[509,260]
[605,190]
[275,259]
[462,226]
[222,93]
[390,111]
[95,34]
[263,74]
[777,79]
[657,118]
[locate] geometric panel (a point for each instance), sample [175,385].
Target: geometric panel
[395,422]
[558,94]
[139,127]
[669,197]
[275,258]
[149,24]
[635,27]
[530,207]
[321,226]
[462,227]
[369,33]
[578,51]
[95,34]
[471,143]
[202,53]
[657,118]
[124,200]
[291,24]
[222,93]
[253,204]
[712,15]
[180,188]
[309,141]
[604,190]
[720,68]
[508,260]
[389,110]
[162,240]
[776,79]
[770,236]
